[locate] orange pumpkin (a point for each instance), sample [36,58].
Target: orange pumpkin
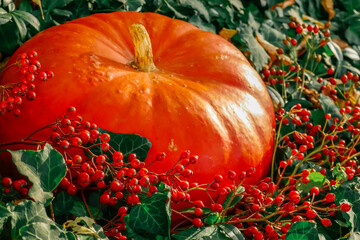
[198,92]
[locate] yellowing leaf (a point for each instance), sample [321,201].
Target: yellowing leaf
[272,50]
[313,20]
[328,6]
[283,4]
[227,33]
[38,2]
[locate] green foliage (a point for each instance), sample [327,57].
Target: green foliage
[44,168]
[221,231]
[302,231]
[126,144]
[152,216]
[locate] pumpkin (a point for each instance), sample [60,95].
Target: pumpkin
[193,91]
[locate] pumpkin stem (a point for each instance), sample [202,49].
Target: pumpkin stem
[143,51]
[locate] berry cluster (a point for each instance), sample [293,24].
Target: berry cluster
[12,95]
[12,188]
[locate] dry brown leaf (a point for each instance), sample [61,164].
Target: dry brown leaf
[227,33]
[313,20]
[328,6]
[271,50]
[313,96]
[342,44]
[283,4]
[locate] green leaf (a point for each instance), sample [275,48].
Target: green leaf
[45,169]
[20,25]
[4,215]
[62,12]
[63,203]
[79,209]
[302,231]
[29,219]
[336,50]
[327,104]
[211,219]
[152,215]
[350,5]
[44,231]
[4,16]
[28,18]
[258,55]
[236,199]
[134,5]
[10,39]
[222,231]
[57,4]
[231,231]
[351,53]
[316,180]
[126,143]
[352,35]
[197,6]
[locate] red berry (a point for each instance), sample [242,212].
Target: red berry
[326,222]
[198,211]
[328,116]
[6,181]
[314,191]
[345,207]
[299,29]
[330,197]
[218,208]
[310,214]
[105,137]
[105,198]
[71,189]
[218,178]
[197,222]
[105,146]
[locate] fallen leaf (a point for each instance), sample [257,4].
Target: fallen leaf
[227,33]
[313,96]
[313,20]
[283,4]
[328,6]
[272,50]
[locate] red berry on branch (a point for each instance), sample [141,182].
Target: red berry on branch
[345,207]
[326,222]
[197,222]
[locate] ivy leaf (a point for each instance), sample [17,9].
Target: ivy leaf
[79,209]
[303,230]
[4,215]
[316,180]
[63,203]
[222,231]
[45,169]
[29,218]
[125,143]
[152,215]
[44,231]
